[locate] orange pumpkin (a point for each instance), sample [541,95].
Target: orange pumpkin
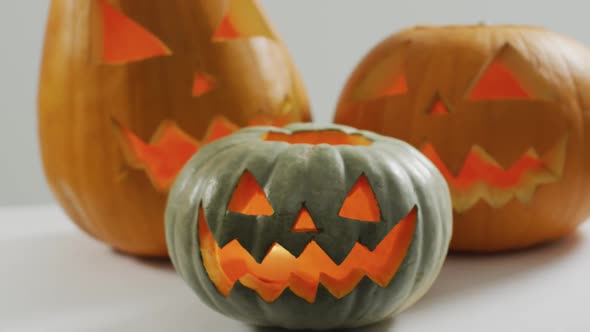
[129,91]
[503,111]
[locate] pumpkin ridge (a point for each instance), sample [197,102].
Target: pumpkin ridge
[335,280]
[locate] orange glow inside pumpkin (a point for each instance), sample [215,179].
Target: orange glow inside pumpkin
[226,30]
[126,41]
[361,204]
[478,169]
[265,121]
[331,137]
[165,156]
[439,108]
[280,269]
[241,19]
[203,83]
[169,150]
[249,198]
[497,82]
[398,87]
[304,223]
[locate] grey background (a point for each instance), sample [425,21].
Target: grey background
[326,38]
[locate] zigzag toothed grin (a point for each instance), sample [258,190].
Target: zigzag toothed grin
[482,178]
[280,270]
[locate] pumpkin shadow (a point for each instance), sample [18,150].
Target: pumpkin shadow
[156,263]
[383,326]
[463,273]
[163,263]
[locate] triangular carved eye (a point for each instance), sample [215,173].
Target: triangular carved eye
[248,198]
[376,86]
[509,76]
[387,78]
[497,82]
[360,203]
[124,40]
[398,86]
[226,30]
[242,19]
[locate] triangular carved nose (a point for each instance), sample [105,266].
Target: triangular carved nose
[304,223]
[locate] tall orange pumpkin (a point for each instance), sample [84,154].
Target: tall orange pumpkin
[130,89]
[503,111]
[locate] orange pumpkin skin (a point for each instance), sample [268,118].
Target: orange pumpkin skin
[502,110]
[117,72]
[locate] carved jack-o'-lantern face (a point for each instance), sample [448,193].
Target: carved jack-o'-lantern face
[117,73]
[308,227]
[501,111]
[125,41]
[269,271]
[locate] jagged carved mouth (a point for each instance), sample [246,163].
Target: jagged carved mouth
[280,270]
[482,178]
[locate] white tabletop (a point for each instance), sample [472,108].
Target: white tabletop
[55,278]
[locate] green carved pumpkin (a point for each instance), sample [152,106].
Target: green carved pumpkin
[309,226]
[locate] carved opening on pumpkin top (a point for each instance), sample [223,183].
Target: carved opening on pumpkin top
[330,137]
[124,40]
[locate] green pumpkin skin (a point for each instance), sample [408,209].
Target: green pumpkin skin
[319,175]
